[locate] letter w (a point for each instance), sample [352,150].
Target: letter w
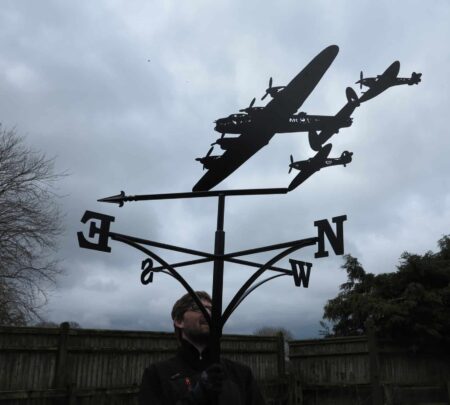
[298,272]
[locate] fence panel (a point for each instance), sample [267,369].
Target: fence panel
[341,371]
[86,366]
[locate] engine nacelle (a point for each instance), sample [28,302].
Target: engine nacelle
[226,143]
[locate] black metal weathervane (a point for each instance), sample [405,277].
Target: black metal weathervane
[255,127]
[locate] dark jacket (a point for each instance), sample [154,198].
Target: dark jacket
[169,382]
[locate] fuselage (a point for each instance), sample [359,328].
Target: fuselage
[240,123]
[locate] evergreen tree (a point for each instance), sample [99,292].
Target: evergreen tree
[411,304]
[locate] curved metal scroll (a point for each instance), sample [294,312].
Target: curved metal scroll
[172,271]
[256,286]
[237,299]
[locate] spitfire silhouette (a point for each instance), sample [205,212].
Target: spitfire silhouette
[388,79]
[255,125]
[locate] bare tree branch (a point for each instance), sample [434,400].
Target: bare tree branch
[30,223]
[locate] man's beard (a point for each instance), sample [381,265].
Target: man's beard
[197,335]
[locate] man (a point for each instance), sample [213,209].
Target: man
[190,378]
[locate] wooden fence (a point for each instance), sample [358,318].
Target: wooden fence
[358,370]
[82,366]
[79,366]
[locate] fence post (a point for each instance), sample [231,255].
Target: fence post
[374,364]
[61,371]
[281,356]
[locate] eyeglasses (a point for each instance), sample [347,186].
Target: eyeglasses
[196,308]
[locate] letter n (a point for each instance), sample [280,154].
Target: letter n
[336,239]
[298,272]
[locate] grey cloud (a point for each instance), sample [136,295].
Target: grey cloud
[75,78]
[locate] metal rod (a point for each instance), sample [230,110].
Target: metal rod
[163,245]
[172,271]
[121,198]
[227,259]
[250,290]
[186,263]
[208,256]
[217,287]
[234,302]
[263,249]
[221,213]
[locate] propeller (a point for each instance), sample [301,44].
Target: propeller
[250,106]
[204,158]
[221,137]
[290,166]
[268,89]
[361,77]
[207,156]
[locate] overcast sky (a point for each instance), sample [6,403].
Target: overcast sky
[124,95]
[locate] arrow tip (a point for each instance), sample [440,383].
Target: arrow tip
[117,199]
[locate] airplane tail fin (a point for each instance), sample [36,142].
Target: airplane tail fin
[416,78]
[314,140]
[352,97]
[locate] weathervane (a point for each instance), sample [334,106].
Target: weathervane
[255,127]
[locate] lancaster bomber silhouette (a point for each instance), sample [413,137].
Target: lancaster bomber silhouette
[256,126]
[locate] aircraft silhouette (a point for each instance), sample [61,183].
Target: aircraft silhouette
[265,122]
[387,79]
[312,165]
[317,140]
[256,126]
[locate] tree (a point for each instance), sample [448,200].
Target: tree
[30,223]
[51,324]
[410,304]
[272,331]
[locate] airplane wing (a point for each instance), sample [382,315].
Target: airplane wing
[292,97]
[316,163]
[284,104]
[385,80]
[244,148]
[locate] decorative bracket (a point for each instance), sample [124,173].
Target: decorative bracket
[300,270]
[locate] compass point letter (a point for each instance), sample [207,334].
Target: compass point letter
[298,272]
[336,239]
[102,231]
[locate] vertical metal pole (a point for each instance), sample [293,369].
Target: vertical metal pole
[217,287]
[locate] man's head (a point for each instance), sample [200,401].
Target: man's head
[188,320]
